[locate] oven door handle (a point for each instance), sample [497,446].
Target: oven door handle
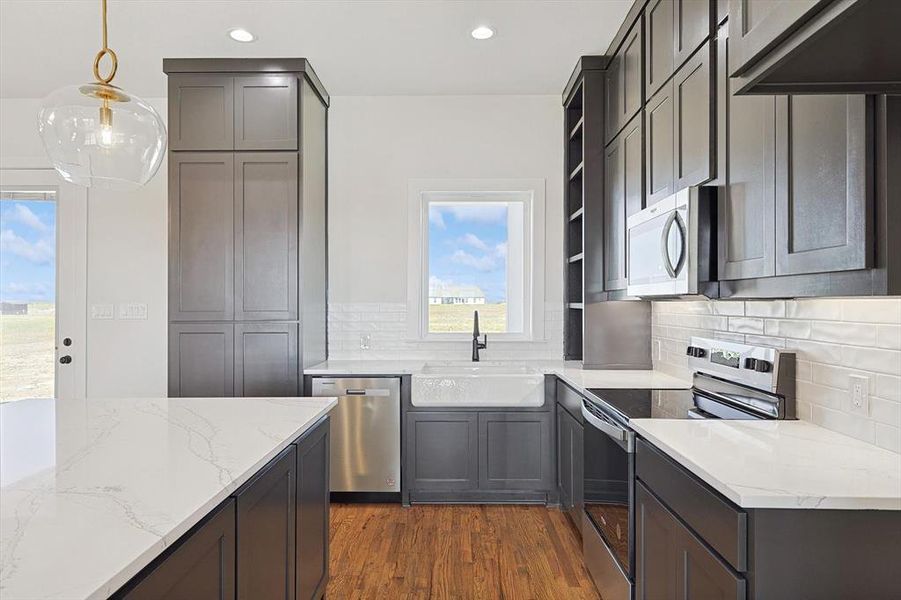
[621,436]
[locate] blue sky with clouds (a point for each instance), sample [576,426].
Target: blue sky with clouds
[468,246]
[27,250]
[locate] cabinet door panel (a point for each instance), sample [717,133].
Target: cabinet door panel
[201,566]
[693,25]
[201,359]
[694,121]
[823,184]
[266,359]
[266,508]
[658,18]
[201,112]
[624,197]
[515,451]
[746,175]
[564,459]
[659,115]
[613,100]
[266,112]
[313,512]
[201,237]
[266,229]
[633,73]
[442,450]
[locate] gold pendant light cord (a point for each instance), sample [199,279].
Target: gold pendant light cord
[105,50]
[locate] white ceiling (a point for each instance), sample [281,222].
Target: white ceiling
[362,47]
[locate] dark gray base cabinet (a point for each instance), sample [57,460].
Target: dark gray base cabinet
[483,455]
[569,465]
[269,541]
[200,566]
[691,542]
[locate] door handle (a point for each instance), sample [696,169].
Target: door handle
[65,360]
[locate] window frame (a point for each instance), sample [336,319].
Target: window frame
[421,193]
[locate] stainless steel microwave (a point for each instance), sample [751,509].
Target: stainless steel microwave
[671,250]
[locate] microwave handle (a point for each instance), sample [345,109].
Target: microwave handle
[672,221]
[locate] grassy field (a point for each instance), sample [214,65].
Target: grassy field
[27,353]
[457,318]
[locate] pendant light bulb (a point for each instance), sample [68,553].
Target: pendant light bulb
[98,135]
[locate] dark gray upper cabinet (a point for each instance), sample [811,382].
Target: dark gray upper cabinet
[757,26]
[266,230]
[266,362]
[746,177]
[624,196]
[266,508]
[201,236]
[442,450]
[515,450]
[625,82]
[201,112]
[693,24]
[201,360]
[314,227]
[659,144]
[672,563]
[659,44]
[266,112]
[694,124]
[313,512]
[200,566]
[824,184]
[816,46]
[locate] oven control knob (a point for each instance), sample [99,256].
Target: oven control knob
[696,352]
[759,365]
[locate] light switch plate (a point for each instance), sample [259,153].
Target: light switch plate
[133,311]
[365,341]
[103,312]
[859,394]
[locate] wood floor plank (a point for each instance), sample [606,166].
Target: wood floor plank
[449,552]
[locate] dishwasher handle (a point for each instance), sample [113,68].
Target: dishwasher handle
[372,392]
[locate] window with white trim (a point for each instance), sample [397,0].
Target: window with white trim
[476,249]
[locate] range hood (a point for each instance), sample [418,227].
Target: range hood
[816,46]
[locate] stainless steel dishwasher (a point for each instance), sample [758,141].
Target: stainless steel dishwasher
[365,432]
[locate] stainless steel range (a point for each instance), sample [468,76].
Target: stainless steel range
[731,381]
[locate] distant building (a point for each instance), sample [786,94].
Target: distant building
[13,308]
[456,294]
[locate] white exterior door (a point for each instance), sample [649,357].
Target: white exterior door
[43,285]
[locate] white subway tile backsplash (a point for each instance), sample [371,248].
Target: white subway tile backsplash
[746,325]
[832,339]
[772,308]
[872,310]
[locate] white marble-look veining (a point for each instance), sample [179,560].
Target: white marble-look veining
[93,490]
[570,372]
[780,464]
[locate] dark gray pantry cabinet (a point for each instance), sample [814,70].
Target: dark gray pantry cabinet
[268,541]
[247,220]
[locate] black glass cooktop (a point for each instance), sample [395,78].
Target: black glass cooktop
[645,404]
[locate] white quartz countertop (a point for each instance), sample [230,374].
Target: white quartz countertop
[780,464]
[92,491]
[570,372]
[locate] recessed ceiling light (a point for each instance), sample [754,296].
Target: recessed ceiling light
[240,34]
[482,32]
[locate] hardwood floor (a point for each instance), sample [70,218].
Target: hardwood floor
[457,551]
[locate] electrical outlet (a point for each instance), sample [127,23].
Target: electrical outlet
[135,311]
[365,341]
[859,394]
[103,312]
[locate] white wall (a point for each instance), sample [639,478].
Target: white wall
[126,263]
[376,145]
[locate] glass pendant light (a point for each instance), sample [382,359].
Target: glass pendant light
[98,135]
